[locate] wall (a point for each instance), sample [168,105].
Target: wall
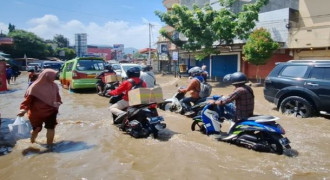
[275,22]
[312,54]
[250,70]
[313,27]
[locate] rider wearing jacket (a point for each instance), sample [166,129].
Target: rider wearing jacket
[194,89]
[101,78]
[242,95]
[117,108]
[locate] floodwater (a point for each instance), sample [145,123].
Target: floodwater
[89,147]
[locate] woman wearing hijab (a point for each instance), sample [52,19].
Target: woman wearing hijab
[42,100]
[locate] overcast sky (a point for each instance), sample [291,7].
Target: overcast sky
[106,22]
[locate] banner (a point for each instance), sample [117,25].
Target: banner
[3,80]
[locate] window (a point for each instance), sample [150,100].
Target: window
[320,73]
[294,71]
[115,67]
[69,67]
[90,65]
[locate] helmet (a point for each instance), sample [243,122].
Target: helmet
[195,71]
[108,67]
[235,78]
[133,72]
[146,68]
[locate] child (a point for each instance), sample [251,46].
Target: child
[32,76]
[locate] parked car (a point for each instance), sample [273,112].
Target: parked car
[300,87]
[121,69]
[31,66]
[80,73]
[56,65]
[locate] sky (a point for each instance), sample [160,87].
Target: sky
[106,22]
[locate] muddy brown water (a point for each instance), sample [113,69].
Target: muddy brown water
[88,146]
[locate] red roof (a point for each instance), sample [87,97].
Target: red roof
[146,50]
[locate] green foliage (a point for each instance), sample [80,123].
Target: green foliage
[69,53]
[27,43]
[259,47]
[11,27]
[206,28]
[61,41]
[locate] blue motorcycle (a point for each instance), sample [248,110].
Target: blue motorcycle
[260,133]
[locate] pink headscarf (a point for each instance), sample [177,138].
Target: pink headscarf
[45,89]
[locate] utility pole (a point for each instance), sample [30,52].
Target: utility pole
[149,53]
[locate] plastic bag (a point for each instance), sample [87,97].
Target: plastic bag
[20,129]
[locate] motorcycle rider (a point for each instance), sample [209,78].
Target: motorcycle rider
[133,75]
[101,78]
[205,74]
[194,89]
[242,95]
[148,76]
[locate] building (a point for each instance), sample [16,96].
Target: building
[277,17]
[81,44]
[118,52]
[100,51]
[310,32]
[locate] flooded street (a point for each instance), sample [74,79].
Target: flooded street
[89,146]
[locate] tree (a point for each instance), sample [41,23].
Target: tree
[69,53]
[27,43]
[259,48]
[61,41]
[206,28]
[11,27]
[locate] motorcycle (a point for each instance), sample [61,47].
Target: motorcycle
[142,120]
[107,88]
[260,133]
[174,105]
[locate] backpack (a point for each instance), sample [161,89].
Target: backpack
[205,89]
[135,86]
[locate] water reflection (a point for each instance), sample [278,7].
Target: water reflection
[59,147]
[7,141]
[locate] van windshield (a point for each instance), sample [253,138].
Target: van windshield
[90,65]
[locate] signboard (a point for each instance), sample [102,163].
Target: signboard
[175,56]
[3,82]
[163,49]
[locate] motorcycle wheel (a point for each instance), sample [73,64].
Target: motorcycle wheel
[274,143]
[198,126]
[167,106]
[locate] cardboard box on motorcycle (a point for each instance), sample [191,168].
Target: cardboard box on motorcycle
[113,78]
[145,96]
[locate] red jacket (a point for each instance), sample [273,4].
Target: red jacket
[126,86]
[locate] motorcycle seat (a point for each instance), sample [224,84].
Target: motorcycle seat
[262,118]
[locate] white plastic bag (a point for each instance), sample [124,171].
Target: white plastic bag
[20,129]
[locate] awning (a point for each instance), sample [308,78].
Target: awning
[146,50]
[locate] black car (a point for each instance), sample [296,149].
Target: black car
[300,87]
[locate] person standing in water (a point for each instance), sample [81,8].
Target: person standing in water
[42,101]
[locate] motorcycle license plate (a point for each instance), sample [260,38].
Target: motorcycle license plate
[284,141]
[156,119]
